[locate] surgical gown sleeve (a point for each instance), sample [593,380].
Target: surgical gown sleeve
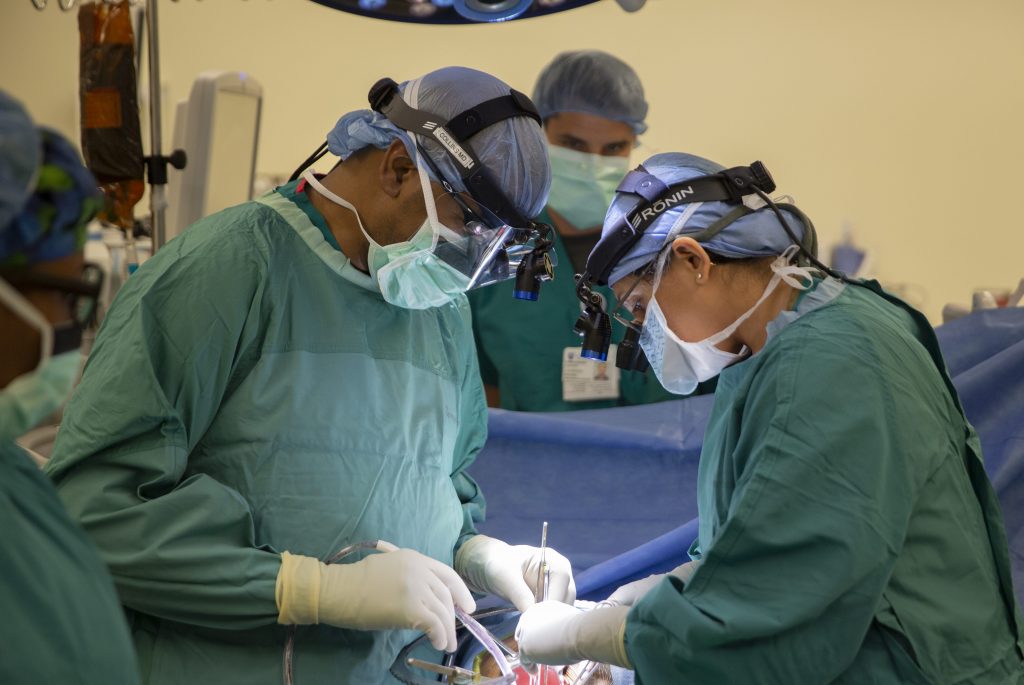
[488,371]
[819,495]
[471,437]
[180,545]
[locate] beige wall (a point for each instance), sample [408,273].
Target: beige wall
[902,118]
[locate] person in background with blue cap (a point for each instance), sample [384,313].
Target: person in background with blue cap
[290,377]
[62,619]
[593,108]
[848,532]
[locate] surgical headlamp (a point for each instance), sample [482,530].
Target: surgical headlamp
[505,242]
[441,12]
[741,186]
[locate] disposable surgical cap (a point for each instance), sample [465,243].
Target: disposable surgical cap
[513,150]
[592,82]
[755,235]
[20,156]
[52,222]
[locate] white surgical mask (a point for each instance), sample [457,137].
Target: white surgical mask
[408,273]
[33,396]
[681,365]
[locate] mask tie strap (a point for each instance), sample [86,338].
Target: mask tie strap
[312,180]
[10,296]
[799,277]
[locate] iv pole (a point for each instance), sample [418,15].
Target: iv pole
[157,186]
[156,162]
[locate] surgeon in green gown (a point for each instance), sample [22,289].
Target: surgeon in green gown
[594,108]
[290,377]
[62,619]
[848,532]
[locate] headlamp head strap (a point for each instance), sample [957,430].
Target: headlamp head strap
[475,119]
[641,182]
[656,198]
[452,135]
[717,227]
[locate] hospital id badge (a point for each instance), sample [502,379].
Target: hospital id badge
[586,379]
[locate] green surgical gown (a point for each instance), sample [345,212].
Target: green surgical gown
[62,622]
[520,344]
[847,529]
[251,393]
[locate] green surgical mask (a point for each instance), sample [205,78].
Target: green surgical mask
[30,398]
[583,185]
[408,273]
[418,279]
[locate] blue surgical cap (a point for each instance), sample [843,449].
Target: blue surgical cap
[513,150]
[592,82]
[755,235]
[52,222]
[20,157]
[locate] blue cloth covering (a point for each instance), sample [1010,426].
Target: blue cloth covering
[606,479]
[618,486]
[985,356]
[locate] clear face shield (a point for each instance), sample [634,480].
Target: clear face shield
[480,237]
[472,239]
[469,239]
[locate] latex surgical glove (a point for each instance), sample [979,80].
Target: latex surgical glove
[555,633]
[492,566]
[392,590]
[630,593]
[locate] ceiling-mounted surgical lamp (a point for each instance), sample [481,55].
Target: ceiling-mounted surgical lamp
[463,11]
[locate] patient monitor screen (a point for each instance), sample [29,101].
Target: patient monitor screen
[232,152]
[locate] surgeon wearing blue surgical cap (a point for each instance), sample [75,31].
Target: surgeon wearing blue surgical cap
[62,619]
[594,109]
[848,532]
[293,376]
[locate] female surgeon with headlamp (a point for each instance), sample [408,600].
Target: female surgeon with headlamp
[848,533]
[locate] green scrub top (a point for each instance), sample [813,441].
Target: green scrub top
[520,344]
[847,529]
[62,622]
[250,393]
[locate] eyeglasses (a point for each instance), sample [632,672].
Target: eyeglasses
[82,293]
[626,313]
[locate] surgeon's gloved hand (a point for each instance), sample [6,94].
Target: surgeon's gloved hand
[512,573]
[556,633]
[630,593]
[392,590]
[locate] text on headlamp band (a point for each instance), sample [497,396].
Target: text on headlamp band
[660,206]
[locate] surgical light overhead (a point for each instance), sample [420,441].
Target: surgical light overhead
[462,11]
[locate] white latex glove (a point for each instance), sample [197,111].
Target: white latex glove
[400,589]
[492,566]
[630,593]
[556,633]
